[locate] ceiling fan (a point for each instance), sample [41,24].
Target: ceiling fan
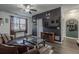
[28,8]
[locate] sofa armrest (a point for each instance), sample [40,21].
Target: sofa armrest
[7,45]
[7,49]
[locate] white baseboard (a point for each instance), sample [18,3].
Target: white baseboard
[71,38]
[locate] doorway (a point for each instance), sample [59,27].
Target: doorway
[72,28]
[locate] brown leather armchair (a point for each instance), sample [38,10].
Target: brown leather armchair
[11,49]
[7,49]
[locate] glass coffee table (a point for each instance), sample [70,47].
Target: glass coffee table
[33,41]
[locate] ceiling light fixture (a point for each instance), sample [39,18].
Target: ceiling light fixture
[28,6]
[27,9]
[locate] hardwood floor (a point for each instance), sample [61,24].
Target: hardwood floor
[68,46]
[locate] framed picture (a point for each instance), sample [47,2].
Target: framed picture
[72,25]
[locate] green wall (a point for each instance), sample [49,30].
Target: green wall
[72,34]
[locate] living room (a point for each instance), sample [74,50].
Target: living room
[39,28]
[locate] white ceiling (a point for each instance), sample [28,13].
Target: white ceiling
[45,7]
[12,8]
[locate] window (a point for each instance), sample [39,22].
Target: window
[18,24]
[22,24]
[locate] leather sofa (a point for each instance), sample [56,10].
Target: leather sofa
[11,49]
[6,49]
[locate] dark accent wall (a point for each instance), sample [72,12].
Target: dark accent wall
[51,21]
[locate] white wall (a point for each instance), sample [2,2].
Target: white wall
[29,26]
[5,28]
[39,28]
[62,25]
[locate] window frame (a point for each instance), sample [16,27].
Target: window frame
[20,29]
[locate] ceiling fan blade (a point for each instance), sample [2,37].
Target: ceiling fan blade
[33,9]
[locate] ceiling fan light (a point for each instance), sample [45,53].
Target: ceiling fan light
[28,7]
[27,10]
